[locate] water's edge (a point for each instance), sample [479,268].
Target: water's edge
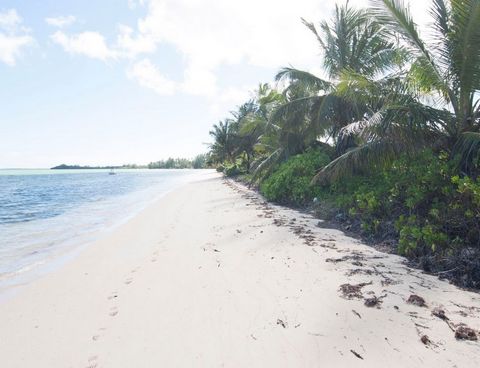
[26,267]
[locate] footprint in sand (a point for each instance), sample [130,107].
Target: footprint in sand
[114,295]
[92,362]
[153,260]
[128,281]
[97,336]
[113,311]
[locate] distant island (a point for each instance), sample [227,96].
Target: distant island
[79,167]
[199,162]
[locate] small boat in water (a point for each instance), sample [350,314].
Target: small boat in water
[112,172]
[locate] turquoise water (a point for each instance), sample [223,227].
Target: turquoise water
[44,213]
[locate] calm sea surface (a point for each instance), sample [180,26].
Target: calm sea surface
[47,213]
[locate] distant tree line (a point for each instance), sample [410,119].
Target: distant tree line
[201,161]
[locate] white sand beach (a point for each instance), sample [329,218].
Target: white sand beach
[211,276]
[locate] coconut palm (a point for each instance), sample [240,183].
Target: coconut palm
[242,136]
[351,42]
[396,123]
[445,67]
[222,148]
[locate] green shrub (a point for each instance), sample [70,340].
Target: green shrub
[232,170]
[291,183]
[433,209]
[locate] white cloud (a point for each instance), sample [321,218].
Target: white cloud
[200,81]
[229,98]
[148,75]
[10,21]
[13,37]
[10,47]
[212,32]
[209,34]
[133,46]
[91,44]
[61,21]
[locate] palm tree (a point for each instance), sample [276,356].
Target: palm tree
[244,131]
[447,69]
[239,138]
[222,148]
[351,43]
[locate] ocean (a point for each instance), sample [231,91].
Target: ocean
[45,215]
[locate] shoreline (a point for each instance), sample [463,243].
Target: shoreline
[211,275]
[47,260]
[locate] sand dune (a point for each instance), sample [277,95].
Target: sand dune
[211,276]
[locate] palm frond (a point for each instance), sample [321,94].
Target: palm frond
[293,112]
[264,167]
[313,29]
[363,128]
[468,148]
[307,79]
[465,37]
[396,16]
[374,154]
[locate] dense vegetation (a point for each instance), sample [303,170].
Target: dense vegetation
[388,142]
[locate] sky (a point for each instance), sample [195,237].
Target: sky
[113,82]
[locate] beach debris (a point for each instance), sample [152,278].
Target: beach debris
[361,271]
[278,222]
[416,300]
[281,323]
[353,291]
[356,313]
[387,281]
[372,302]
[440,313]
[355,257]
[464,332]
[335,260]
[422,326]
[326,245]
[425,340]
[356,354]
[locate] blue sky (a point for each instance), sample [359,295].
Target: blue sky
[134,81]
